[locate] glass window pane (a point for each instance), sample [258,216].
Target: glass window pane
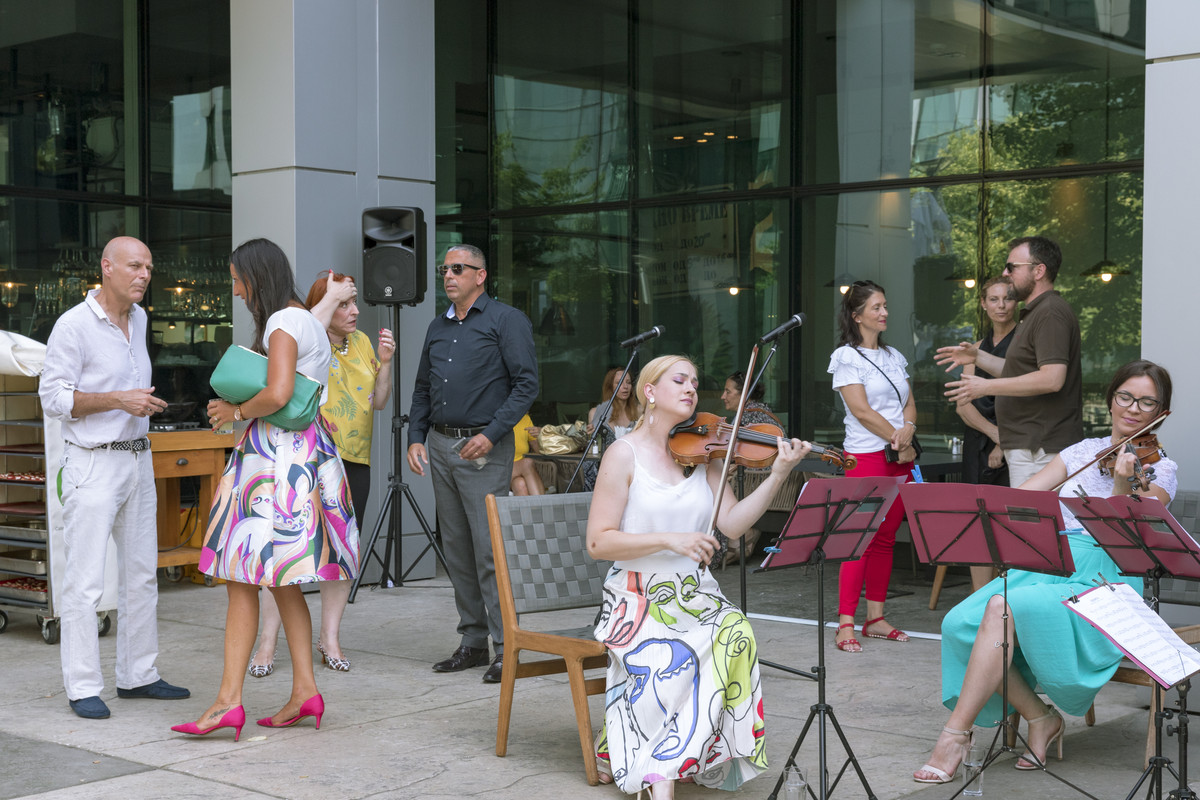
[50,255]
[1063,97]
[716,276]
[570,275]
[921,246]
[561,103]
[189,75]
[1099,228]
[891,89]
[461,137]
[65,123]
[713,86]
[190,308]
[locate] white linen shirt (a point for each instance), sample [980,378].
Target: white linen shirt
[88,352]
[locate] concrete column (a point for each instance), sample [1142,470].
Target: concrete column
[1169,238]
[333,110]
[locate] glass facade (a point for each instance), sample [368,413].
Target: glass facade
[715,168]
[114,119]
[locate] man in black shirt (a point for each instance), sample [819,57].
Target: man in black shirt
[477,378]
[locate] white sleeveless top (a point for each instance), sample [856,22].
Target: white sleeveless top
[654,506]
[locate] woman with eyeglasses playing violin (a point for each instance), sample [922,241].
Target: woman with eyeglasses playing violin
[1055,649]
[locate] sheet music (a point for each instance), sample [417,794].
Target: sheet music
[1118,612]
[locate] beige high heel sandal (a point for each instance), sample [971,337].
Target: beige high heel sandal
[941,776]
[1028,760]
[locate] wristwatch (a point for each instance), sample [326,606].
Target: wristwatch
[237,413]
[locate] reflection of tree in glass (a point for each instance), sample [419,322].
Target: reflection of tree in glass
[572,254]
[1053,122]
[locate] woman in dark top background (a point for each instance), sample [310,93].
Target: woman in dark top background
[983,459]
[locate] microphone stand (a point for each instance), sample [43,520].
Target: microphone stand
[601,418]
[741,482]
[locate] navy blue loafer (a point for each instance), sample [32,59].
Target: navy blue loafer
[159,690]
[90,707]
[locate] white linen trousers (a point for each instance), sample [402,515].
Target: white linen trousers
[107,491]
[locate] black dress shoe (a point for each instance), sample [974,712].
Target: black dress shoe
[464,658]
[495,670]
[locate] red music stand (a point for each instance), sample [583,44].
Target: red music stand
[833,520]
[1143,539]
[959,523]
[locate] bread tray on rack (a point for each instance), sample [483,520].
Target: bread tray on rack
[32,531]
[24,589]
[26,560]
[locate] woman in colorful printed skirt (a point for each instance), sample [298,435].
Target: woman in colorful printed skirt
[281,516]
[359,385]
[684,699]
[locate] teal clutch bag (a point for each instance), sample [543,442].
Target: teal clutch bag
[242,373]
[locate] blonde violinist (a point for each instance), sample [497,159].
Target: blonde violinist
[684,695]
[1055,649]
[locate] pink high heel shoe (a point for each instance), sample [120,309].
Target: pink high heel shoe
[233,718]
[313,707]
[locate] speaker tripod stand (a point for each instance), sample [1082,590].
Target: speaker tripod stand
[390,512]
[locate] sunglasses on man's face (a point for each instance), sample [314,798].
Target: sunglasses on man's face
[457,269]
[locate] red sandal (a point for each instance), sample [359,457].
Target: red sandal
[850,645]
[896,635]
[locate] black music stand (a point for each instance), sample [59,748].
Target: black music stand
[1144,540]
[991,526]
[833,520]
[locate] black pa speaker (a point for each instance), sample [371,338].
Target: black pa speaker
[394,268]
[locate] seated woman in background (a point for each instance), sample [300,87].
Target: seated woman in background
[621,417]
[525,477]
[757,412]
[625,410]
[1053,648]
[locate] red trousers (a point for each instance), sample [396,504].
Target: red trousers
[875,567]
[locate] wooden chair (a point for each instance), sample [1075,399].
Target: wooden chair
[542,564]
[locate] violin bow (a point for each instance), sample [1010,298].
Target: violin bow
[1149,426]
[733,434]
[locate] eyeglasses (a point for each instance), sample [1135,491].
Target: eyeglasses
[457,269]
[1011,266]
[1125,400]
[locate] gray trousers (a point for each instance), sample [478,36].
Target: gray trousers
[459,489]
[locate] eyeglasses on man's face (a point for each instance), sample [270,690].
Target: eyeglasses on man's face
[457,269]
[1125,400]
[1011,266]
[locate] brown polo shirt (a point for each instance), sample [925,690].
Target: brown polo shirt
[1047,333]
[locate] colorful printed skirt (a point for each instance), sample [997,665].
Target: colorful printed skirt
[684,697]
[282,513]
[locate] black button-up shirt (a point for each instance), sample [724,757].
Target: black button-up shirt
[477,371]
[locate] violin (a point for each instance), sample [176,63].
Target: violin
[1145,447]
[706,436]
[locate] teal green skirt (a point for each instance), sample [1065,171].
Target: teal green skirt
[1057,651]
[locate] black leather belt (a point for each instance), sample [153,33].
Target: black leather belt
[131,445]
[458,433]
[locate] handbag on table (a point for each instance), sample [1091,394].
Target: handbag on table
[242,373]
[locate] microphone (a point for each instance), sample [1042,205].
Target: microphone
[794,321]
[653,333]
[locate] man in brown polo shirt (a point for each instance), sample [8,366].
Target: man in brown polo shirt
[1039,384]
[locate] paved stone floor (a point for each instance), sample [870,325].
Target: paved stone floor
[395,729]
